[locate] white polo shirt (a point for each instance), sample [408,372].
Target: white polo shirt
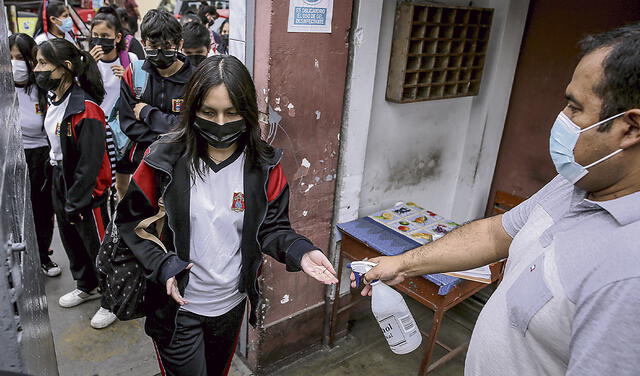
[111,82]
[217,216]
[31,119]
[55,114]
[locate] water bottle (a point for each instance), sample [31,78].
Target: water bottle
[391,312]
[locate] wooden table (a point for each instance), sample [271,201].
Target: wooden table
[419,289]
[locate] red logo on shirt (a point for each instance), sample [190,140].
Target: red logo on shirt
[238,202]
[38,110]
[176,105]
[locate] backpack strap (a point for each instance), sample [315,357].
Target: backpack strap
[124,58]
[159,218]
[139,78]
[127,41]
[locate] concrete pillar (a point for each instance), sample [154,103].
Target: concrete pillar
[300,79]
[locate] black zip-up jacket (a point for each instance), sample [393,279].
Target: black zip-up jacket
[85,160]
[163,96]
[164,172]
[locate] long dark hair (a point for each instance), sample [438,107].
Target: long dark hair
[83,68]
[27,47]
[53,9]
[109,16]
[230,72]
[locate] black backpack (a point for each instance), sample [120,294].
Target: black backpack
[122,277]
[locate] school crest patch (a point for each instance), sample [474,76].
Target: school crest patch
[176,104]
[38,110]
[237,204]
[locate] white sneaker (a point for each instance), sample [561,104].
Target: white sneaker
[102,318]
[76,297]
[51,269]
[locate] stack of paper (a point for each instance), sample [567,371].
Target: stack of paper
[481,274]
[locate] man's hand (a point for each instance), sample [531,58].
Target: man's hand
[117,70]
[96,53]
[316,265]
[388,270]
[172,288]
[138,108]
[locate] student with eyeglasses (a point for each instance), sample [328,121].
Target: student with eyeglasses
[54,21]
[151,109]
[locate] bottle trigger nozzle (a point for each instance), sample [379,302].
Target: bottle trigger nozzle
[360,268]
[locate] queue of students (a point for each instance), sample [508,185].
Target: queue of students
[179,134]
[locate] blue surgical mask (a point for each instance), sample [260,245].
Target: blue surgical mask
[564,136]
[67,24]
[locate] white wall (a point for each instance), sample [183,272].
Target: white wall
[438,153]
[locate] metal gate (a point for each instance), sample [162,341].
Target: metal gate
[25,333]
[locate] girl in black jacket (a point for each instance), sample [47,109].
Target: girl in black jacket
[226,200]
[75,126]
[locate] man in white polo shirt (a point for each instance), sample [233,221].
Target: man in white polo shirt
[570,297]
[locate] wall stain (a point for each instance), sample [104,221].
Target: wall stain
[413,171]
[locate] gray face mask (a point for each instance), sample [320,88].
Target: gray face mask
[220,136]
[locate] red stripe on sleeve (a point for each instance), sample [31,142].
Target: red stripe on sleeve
[145,179]
[277,182]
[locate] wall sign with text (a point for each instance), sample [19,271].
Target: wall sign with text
[310,16]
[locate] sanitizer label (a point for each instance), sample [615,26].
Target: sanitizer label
[392,331]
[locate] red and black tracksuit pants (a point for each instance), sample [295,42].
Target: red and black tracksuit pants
[81,240]
[201,346]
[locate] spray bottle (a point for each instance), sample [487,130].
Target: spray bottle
[391,312]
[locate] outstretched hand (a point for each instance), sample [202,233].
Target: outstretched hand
[316,265]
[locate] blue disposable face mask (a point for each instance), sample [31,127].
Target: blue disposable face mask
[67,24]
[564,136]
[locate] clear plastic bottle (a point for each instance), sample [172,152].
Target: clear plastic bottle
[391,312]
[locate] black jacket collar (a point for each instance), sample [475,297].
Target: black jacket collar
[164,153]
[76,101]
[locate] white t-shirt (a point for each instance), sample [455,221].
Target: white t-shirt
[31,119]
[41,38]
[55,114]
[111,83]
[217,216]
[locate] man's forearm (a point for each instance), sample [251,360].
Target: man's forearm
[470,246]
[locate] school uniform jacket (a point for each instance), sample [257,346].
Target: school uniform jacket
[164,98]
[164,172]
[86,166]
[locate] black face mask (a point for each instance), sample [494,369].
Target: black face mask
[107,44]
[45,82]
[225,40]
[220,136]
[196,59]
[160,60]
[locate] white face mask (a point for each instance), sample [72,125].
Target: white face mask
[20,72]
[564,137]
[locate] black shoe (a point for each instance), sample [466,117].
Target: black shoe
[50,269]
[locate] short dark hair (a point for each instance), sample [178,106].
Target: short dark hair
[619,87]
[206,9]
[189,17]
[228,71]
[195,35]
[161,26]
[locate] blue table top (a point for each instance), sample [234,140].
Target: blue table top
[391,243]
